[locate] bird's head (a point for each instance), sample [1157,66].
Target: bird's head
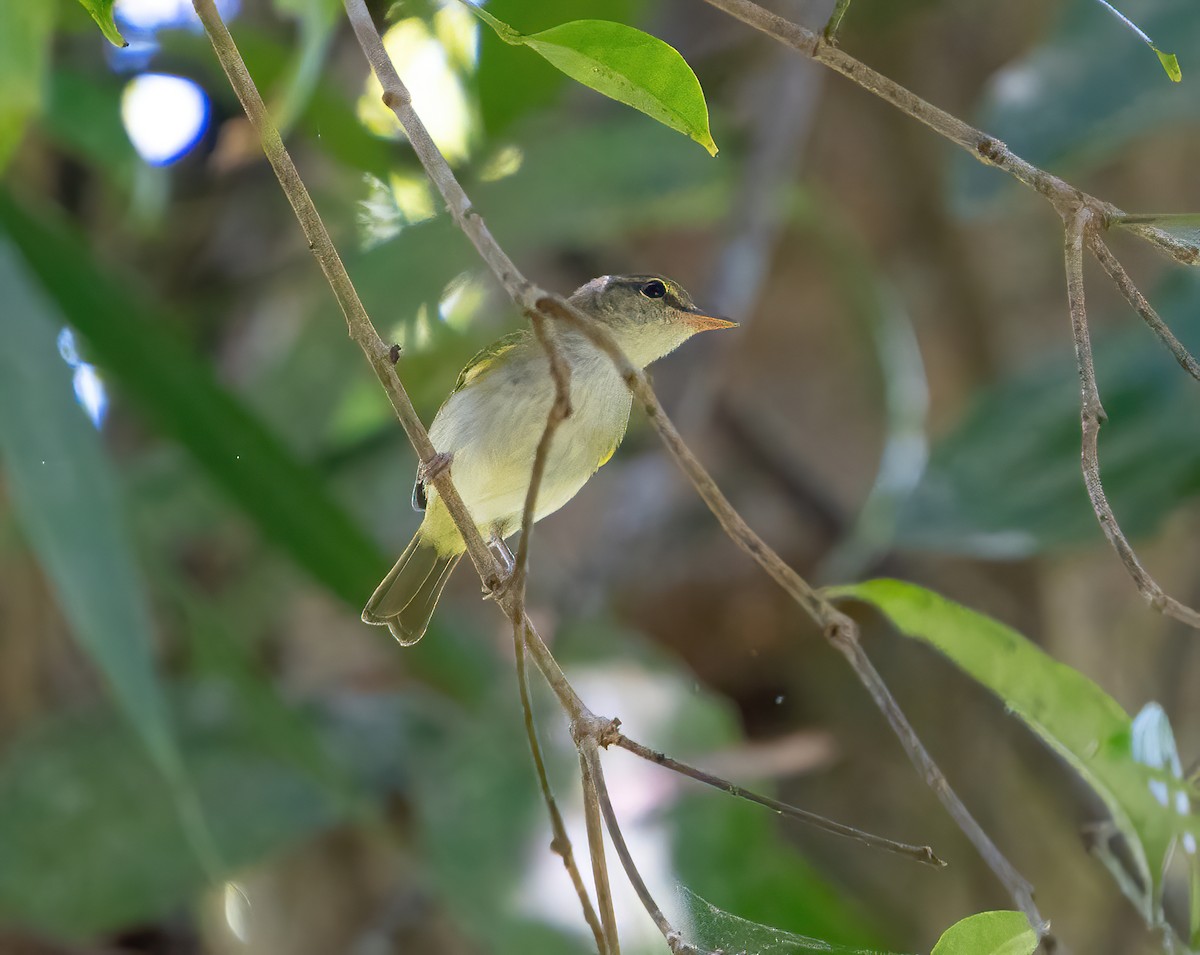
[648,315]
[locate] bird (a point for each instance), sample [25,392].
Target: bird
[488,429]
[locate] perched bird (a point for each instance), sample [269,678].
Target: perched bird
[490,426]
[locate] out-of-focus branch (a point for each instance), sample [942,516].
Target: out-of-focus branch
[1092,416]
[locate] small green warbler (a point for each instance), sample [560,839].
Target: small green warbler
[488,431]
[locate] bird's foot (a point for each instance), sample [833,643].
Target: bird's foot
[435,466]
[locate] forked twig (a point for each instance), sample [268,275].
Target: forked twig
[1092,416]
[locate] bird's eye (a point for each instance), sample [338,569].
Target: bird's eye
[654,289]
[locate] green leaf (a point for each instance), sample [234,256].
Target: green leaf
[25,33]
[285,498]
[1170,63]
[68,505]
[102,13]
[989,933]
[1081,96]
[1003,491]
[509,84]
[1077,719]
[1168,60]
[624,64]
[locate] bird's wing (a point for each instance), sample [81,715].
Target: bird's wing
[484,361]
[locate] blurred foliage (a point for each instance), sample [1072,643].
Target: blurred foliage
[1005,481]
[208,545]
[1082,95]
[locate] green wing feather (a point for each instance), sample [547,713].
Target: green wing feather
[485,359]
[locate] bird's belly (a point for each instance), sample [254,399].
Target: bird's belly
[495,437]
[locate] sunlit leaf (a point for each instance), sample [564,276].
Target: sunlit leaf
[285,498]
[1077,719]
[1168,60]
[624,64]
[989,933]
[24,47]
[102,13]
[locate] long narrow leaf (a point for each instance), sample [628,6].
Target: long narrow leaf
[285,498]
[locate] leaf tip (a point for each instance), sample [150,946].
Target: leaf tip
[1170,63]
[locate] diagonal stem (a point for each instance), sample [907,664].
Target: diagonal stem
[1133,295]
[923,854]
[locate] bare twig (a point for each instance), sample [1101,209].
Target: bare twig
[1092,416]
[560,843]
[595,832]
[589,754]
[1133,295]
[923,854]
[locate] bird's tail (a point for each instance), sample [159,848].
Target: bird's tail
[405,600]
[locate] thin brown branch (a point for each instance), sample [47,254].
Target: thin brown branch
[923,854]
[595,832]
[560,410]
[1133,295]
[560,842]
[589,754]
[1092,416]
[986,149]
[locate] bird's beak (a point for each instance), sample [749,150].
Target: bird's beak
[699,322]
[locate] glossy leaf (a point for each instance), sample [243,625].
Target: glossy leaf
[624,64]
[1082,95]
[1076,718]
[24,52]
[989,933]
[1005,481]
[508,83]
[283,497]
[102,13]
